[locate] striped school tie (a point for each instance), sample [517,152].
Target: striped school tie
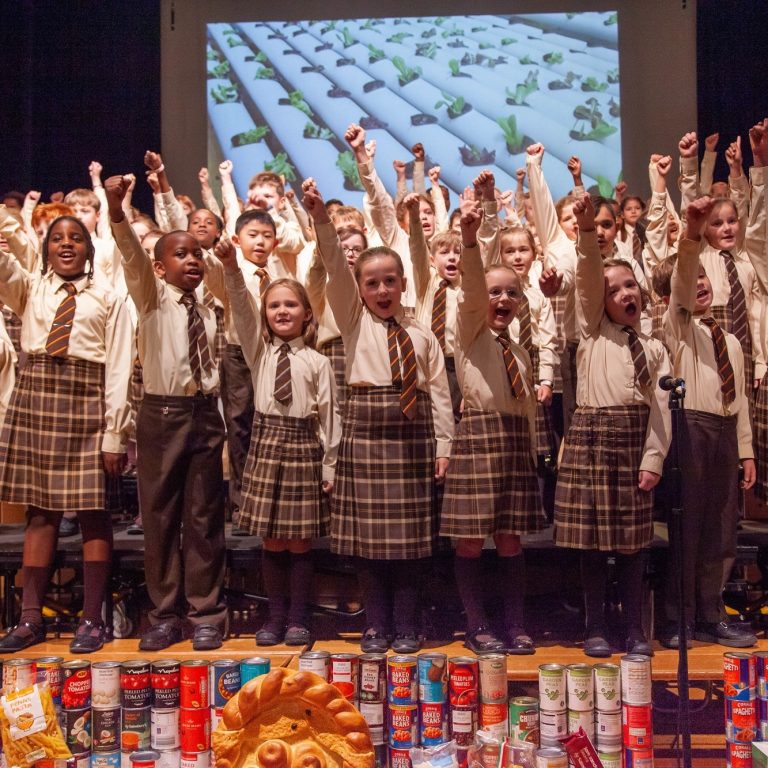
[737,301]
[524,318]
[199,354]
[209,300]
[513,369]
[403,366]
[722,359]
[61,328]
[642,373]
[637,251]
[283,393]
[438,312]
[264,281]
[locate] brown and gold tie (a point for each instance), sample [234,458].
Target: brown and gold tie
[264,281]
[723,360]
[524,318]
[199,354]
[283,393]
[61,328]
[513,369]
[403,366]
[737,302]
[438,312]
[642,373]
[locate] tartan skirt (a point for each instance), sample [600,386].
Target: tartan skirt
[491,486]
[597,502]
[760,438]
[282,495]
[334,351]
[382,503]
[50,447]
[546,439]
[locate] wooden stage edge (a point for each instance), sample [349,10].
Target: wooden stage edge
[705,661]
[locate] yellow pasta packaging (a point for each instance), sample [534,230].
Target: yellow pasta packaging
[30,728]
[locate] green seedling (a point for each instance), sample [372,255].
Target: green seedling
[474,155]
[512,135]
[347,164]
[590,113]
[314,131]
[508,40]
[428,50]
[281,167]
[456,105]
[264,73]
[375,54]
[225,94]
[565,84]
[612,76]
[611,20]
[220,70]
[553,58]
[296,99]
[524,89]
[398,37]
[254,136]
[606,186]
[345,37]
[592,84]
[526,60]
[406,74]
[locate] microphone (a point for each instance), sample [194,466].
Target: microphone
[668,384]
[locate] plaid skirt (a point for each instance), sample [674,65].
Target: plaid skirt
[723,319]
[491,486]
[760,438]
[282,495]
[50,447]
[382,503]
[546,439]
[597,502]
[334,351]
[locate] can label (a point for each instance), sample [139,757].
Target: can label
[611,759]
[373,714]
[433,677]
[738,755]
[164,679]
[164,729]
[636,680]
[524,719]
[170,758]
[195,759]
[76,685]
[195,730]
[48,672]
[135,684]
[193,683]
[463,681]
[403,726]
[551,757]
[399,758]
[373,677]
[608,725]
[740,720]
[105,684]
[494,718]
[217,713]
[493,678]
[225,681]
[315,661]
[580,687]
[739,676]
[463,725]
[77,730]
[18,674]
[637,726]
[258,665]
[105,760]
[135,730]
[552,687]
[607,687]
[433,723]
[105,732]
[552,726]
[760,664]
[642,758]
[343,672]
[144,759]
[582,719]
[402,680]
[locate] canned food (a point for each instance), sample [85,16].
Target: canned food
[494,719]
[524,719]
[18,674]
[580,687]
[169,758]
[373,714]
[343,673]
[135,729]
[642,758]
[553,726]
[433,723]
[217,713]
[636,679]
[433,677]
[637,726]
[373,677]
[135,684]
[193,682]
[256,666]
[403,726]
[741,720]
[315,661]
[607,685]
[402,680]
[761,657]
[608,725]
[552,688]
[164,729]
[105,684]
[76,684]
[195,730]
[105,733]
[399,758]
[48,672]
[105,759]
[551,757]
[739,676]
[196,759]
[493,678]
[224,682]
[463,722]
[582,719]
[145,759]
[77,730]
[165,680]
[463,681]
[610,759]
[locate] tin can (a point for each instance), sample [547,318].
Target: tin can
[463,723]
[762,730]
[76,684]
[580,687]
[256,666]
[641,758]
[636,679]
[402,680]
[105,684]
[195,759]
[494,719]
[193,683]
[136,725]
[493,678]
[761,657]
[433,723]
[762,709]
[373,714]
[217,713]
[463,681]
[607,687]
[224,681]
[637,726]
[195,730]
[582,719]
[611,759]
[169,758]
[553,726]
[105,759]
[105,731]
[135,684]
[343,673]
[164,729]
[741,720]
[739,676]
[433,677]
[164,678]
[608,725]
[524,719]
[552,688]
[399,758]
[318,662]
[551,757]
[48,673]
[77,730]
[146,758]
[18,674]
[373,677]
[403,726]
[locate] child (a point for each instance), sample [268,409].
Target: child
[716,435]
[293,446]
[615,448]
[66,427]
[179,434]
[395,437]
[491,488]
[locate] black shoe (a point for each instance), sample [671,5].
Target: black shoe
[135,528]
[68,526]
[272,633]
[373,641]
[520,643]
[482,640]
[160,636]
[636,643]
[90,636]
[723,633]
[22,636]
[206,638]
[239,532]
[596,645]
[298,634]
[406,642]
[671,639]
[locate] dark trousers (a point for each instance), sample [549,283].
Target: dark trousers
[709,462]
[180,481]
[237,398]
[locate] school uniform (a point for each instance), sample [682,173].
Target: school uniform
[180,436]
[293,444]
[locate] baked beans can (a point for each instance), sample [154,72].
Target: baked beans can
[224,681]
[169,758]
[433,723]
[77,729]
[608,726]
[164,729]
[611,759]
[135,684]
[343,673]
[399,758]
[739,676]
[641,758]
[636,679]
[580,687]
[463,724]
[105,759]
[318,662]
[76,684]
[463,681]
[403,726]
[552,688]
[18,674]
[217,713]
[433,677]
[164,678]
[373,677]
[195,730]
[48,673]
[256,666]
[402,680]
[105,730]
[493,678]
[195,759]
[135,732]
[741,720]
[193,685]
[524,719]
[373,714]
[607,686]
[553,726]
[637,726]
[146,758]
[551,757]
[105,684]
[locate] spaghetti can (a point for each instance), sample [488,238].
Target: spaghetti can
[402,680]
[643,758]
[195,730]
[195,759]
[105,729]
[553,726]
[582,718]
[761,657]
[551,757]
[552,688]
[48,672]
[637,726]
[105,759]
[105,684]
[135,684]
[433,723]
[169,758]
[493,678]
[18,674]
[256,666]
[607,687]
[741,720]
[610,759]
[164,677]
[739,676]
[343,673]
[636,679]
[463,724]
[146,758]
[164,729]
[136,724]
[373,677]
[318,662]
[193,685]
[580,687]
[77,730]
[607,726]
[399,758]
[76,684]
[433,677]
[403,726]
[463,681]
[224,681]
[524,719]
[373,714]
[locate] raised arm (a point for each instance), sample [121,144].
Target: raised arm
[688,146]
[756,239]
[489,230]
[473,297]
[417,245]
[172,212]
[206,193]
[707,169]
[590,279]
[442,220]
[656,233]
